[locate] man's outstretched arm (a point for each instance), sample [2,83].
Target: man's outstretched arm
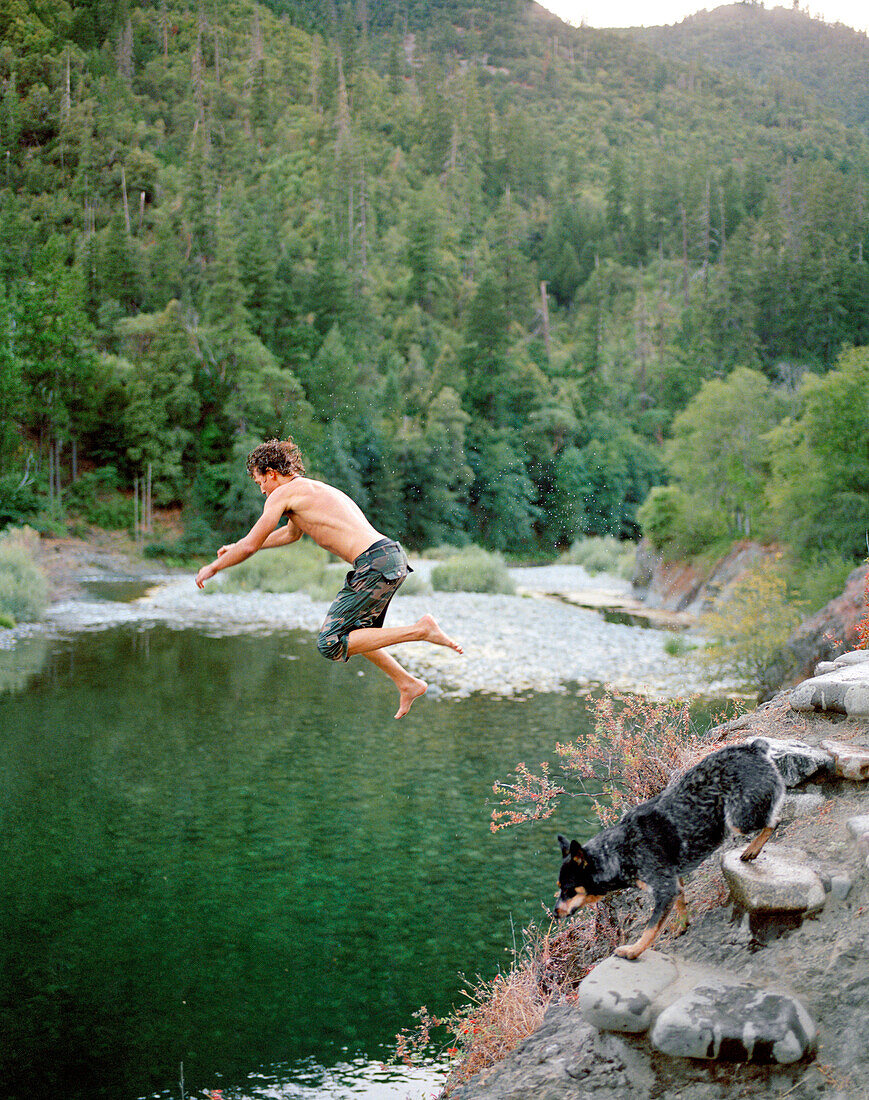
[283,536]
[254,540]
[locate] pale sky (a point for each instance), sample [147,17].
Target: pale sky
[655,13]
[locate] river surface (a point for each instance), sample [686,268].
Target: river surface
[226,867]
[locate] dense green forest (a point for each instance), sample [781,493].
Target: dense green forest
[783,45]
[500,277]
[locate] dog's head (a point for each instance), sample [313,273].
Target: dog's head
[574,879]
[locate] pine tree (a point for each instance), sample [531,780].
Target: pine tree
[11,391]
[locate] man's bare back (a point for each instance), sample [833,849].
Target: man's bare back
[328,516]
[336,523]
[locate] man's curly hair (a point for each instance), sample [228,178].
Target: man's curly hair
[280,455]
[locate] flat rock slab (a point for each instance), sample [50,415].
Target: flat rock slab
[855,657]
[777,881]
[842,690]
[851,761]
[735,1024]
[798,761]
[619,994]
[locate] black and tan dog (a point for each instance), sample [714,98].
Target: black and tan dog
[737,789]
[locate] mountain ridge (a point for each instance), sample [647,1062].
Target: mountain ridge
[829,60]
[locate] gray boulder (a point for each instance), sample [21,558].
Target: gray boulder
[619,994]
[851,761]
[778,881]
[735,1024]
[854,657]
[844,689]
[798,761]
[801,804]
[566,1059]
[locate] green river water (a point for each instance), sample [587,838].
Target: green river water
[222,858]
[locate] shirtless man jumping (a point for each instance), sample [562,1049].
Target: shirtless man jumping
[354,622]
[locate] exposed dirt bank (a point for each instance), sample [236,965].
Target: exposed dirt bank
[70,562]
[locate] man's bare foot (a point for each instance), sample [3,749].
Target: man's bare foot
[407,695]
[433,633]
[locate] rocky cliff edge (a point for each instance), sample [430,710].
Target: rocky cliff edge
[766,996]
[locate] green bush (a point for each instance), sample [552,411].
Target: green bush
[750,623]
[819,578]
[678,525]
[414,585]
[95,498]
[677,645]
[440,553]
[17,504]
[659,515]
[198,541]
[302,567]
[50,522]
[6,621]
[473,570]
[23,585]
[603,554]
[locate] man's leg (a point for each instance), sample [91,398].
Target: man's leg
[367,639]
[409,687]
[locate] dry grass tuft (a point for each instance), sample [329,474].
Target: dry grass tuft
[499,1013]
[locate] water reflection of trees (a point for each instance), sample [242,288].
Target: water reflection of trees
[23,661]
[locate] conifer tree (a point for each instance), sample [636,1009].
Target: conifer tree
[11,391]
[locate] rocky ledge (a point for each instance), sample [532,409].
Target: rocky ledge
[767,996]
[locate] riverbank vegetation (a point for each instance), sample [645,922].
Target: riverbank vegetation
[748,631]
[303,567]
[602,554]
[473,570]
[494,273]
[23,585]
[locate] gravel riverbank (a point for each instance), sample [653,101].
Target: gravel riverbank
[513,644]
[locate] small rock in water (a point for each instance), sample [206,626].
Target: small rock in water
[735,1024]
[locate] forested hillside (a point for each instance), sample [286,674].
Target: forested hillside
[781,46]
[481,264]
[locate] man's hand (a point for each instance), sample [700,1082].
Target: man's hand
[223,549]
[205,574]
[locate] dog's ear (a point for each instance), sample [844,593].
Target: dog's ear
[572,849]
[576,852]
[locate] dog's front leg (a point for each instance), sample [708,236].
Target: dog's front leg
[753,849]
[664,898]
[682,921]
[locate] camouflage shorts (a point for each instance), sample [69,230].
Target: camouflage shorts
[376,576]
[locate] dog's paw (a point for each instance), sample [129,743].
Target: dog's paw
[628,951]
